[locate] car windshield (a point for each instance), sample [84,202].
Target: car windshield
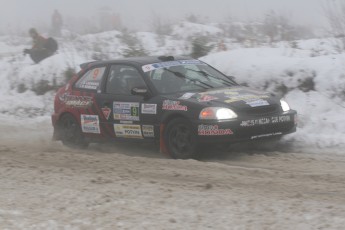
[184,76]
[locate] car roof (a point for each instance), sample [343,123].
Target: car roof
[139,61]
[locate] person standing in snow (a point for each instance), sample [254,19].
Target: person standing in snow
[41,47]
[56,23]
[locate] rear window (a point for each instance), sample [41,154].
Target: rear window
[92,79]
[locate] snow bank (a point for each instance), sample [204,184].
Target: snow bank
[311,76]
[314,86]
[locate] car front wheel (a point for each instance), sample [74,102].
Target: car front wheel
[70,132]
[180,139]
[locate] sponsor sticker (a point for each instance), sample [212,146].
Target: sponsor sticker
[265,121]
[257,103]
[245,97]
[106,112]
[187,95]
[149,108]
[127,131]
[126,111]
[173,105]
[206,98]
[76,101]
[90,85]
[213,130]
[90,124]
[148,130]
[126,122]
[266,135]
[160,65]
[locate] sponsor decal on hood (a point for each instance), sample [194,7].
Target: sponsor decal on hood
[206,98]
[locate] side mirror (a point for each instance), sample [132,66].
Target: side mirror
[140,91]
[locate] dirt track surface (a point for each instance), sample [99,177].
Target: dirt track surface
[44,185]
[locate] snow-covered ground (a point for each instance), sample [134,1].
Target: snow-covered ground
[45,185]
[314,86]
[311,75]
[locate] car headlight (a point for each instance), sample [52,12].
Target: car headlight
[217,113]
[285,106]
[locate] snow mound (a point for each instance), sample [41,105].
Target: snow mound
[314,86]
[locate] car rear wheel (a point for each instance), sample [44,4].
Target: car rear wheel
[70,132]
[180,139]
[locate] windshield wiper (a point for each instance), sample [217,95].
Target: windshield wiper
[180,75]
[207,75]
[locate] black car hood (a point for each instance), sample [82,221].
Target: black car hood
[237,98]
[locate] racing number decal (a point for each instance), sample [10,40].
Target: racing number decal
[134,111]
[95,73]
[126,111]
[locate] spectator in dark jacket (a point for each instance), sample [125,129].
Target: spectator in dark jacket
[39,50]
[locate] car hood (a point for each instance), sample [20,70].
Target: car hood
[237,98]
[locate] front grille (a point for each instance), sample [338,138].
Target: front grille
[262,110]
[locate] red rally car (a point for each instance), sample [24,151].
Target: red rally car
[181,103]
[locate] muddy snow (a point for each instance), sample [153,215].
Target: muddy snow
[44,185]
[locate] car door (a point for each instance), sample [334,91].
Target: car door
[82,101]
[126,115]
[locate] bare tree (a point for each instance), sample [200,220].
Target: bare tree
[160,26]
[334,11]
[134,45]
[277,27]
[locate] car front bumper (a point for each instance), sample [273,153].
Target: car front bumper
[246,128]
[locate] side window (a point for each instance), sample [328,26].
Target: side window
[91,80]
[122,79]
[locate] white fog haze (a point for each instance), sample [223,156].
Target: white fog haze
[139,14]
[69,73]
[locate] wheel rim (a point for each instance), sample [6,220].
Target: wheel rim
[180,140]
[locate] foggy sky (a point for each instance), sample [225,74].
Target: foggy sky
[138,13]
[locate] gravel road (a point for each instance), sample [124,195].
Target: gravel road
[44,185]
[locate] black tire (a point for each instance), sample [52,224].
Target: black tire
[70,132]
[180,139]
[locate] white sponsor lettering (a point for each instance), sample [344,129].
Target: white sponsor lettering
[265,121]
[266,135]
